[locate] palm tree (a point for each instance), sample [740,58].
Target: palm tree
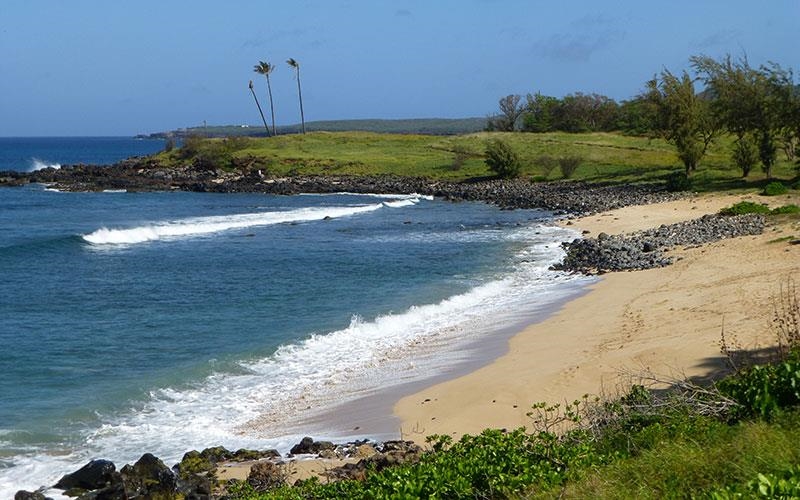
[291,62]
[265,68]
[259,107]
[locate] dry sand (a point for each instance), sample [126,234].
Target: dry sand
[666,320]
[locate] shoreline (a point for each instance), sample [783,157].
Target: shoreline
[498,393]
[665,320]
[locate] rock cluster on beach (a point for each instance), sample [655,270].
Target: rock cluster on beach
[645,249]
[144,174]
[194,477]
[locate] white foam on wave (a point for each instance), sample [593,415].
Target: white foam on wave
[37,164]
[258,407]
[214,224]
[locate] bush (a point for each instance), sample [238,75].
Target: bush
[745,207]
[568,165]
[501,159]
[786,209]
[678,181]
[547,163]
[774,189]
[765,390]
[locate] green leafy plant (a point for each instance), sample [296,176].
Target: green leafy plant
[745,207]
[678,181]
[774,188]
[502,159]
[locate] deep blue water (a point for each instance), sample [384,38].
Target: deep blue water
[25,154]
[164,322]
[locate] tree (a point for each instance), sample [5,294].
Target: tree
[510,111]
[259,107]
[265,68]
[501,159]
[683,117]
[749,101]
[538,113]
[580,112]
[637,116]
[294,64]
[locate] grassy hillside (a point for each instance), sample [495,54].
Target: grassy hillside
[606,157]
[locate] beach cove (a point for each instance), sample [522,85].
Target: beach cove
[667,321]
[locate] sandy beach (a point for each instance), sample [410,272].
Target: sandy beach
[668,321]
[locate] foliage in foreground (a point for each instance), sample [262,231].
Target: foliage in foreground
[648,443]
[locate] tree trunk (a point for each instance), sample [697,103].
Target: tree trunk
[259,109]
[300,95]
[271,106]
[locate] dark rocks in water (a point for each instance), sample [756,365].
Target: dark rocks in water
[307,445]
[29,495]
[644,249]
[148,478]
[92,476]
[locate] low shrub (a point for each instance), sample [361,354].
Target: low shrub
[502,159]
[774,189]
[765,390]
[569,164]
[745,207]
[786,209]
[678,181]
[546,163]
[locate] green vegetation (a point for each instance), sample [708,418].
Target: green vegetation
[682,117]
[749,207]
[774,189]
[607,157]
[501,159]
[643,445]
[759,107]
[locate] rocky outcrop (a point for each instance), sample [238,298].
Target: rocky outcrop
[146,174]
[645,249]
[92,476]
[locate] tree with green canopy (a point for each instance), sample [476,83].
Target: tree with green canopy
[294,64]
[265,68]
[683,117]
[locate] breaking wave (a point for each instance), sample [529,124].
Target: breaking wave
[214,224]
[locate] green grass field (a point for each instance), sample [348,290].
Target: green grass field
[607,157]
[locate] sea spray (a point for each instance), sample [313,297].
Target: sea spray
[37,164]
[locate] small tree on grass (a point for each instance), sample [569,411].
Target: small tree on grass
[501,159]
[569,164]
[684,118]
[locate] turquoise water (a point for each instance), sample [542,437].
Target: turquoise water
[164,322]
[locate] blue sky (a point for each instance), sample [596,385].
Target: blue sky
[95,67]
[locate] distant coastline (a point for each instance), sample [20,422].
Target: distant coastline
[422,126]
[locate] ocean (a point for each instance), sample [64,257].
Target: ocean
[165,322]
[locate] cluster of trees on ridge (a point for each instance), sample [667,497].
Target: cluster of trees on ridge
[759,106]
